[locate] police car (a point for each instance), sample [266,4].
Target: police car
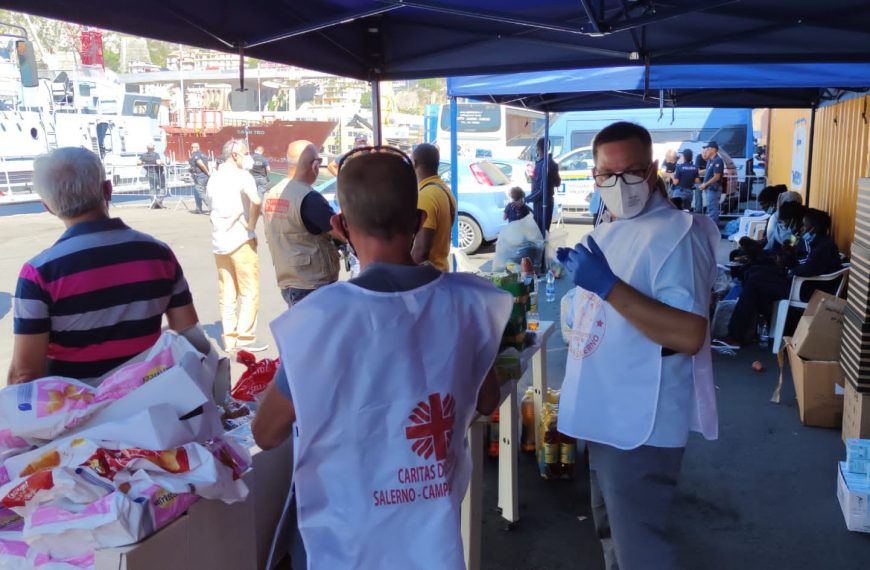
[575,193]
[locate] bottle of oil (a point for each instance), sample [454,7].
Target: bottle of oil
[567,456]
[527,408]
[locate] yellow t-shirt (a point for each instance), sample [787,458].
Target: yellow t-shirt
[436,199]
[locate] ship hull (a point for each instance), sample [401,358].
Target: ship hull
[274,137]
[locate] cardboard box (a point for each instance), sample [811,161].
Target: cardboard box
[853,492]
[818,333]
[855,347]
[856,413]
[818,386]
[215,535]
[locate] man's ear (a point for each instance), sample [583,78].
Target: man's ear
[47,209]
[107,190]
[338,227]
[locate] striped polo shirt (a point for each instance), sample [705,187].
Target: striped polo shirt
[100,293]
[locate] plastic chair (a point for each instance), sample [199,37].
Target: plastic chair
[780,308]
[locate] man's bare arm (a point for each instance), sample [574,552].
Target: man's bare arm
[422,245]
[29,352]
[274,420]
[672,328]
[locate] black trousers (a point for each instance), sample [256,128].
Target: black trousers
[763,285]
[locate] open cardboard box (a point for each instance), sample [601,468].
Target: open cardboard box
[216,536]
[819,387]
[820,330]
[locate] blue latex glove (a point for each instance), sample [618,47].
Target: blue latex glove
[588,268]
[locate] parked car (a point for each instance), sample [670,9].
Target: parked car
[519,172]
[483,195]
[575,194]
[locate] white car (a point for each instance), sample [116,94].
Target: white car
[575,193]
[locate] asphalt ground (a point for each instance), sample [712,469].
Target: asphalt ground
[761,497]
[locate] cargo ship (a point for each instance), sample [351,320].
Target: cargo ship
[212,129]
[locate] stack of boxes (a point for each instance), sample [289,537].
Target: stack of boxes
[853,485]
[855,349]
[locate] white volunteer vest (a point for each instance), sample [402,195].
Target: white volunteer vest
[613,372]
[385,387]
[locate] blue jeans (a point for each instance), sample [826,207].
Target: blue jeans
[698,201]
[712,197]
[199,184]
[293,296]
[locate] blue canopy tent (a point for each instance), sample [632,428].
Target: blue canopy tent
[759,85]
[783,85]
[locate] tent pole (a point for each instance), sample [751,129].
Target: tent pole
[454,162]
[810,156]
[545,176]
[376,111]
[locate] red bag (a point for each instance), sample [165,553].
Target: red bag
[256,378]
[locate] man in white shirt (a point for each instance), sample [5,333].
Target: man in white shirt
[235,209]
[639,374]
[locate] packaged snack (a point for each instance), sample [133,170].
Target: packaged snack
[13,555]
[256,378]
[123,517]
[65,529]
[46,562]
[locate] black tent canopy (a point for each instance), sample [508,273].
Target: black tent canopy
[398,39]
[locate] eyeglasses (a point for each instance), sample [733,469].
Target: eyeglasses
[372,149]
[631,177]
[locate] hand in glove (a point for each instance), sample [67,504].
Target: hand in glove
[588,268]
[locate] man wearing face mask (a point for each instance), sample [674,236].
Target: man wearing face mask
[235,209]
[639,375]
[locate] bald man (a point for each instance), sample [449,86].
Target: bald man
[298,227]
[359,414]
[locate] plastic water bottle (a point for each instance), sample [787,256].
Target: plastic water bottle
[764,336]
[551,287]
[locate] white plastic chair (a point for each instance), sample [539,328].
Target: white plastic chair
[780,308]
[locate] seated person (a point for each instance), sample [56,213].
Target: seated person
[97,297]
[778,226]
[814,253]
[789,219]
[517,209]
[380,437]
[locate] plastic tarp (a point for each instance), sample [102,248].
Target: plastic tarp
[743,85]
[405,39]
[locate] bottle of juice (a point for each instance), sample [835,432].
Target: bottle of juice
[527,408]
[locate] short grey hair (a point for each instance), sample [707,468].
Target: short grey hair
[70,181]
[230,146]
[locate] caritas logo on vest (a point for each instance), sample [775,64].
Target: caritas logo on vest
[429,437]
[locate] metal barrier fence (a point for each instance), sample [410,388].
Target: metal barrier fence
[741,196]
[151,182]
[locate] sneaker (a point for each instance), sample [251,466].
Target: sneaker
[253,346]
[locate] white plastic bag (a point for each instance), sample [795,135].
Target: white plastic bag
[517,240]
[721,319]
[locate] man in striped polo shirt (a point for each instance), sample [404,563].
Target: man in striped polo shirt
[97,297]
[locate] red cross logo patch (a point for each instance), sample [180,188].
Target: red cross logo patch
[432,426]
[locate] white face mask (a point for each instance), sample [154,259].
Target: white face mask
[247,162]
[625,200]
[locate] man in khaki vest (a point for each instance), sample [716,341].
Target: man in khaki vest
[298,227]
